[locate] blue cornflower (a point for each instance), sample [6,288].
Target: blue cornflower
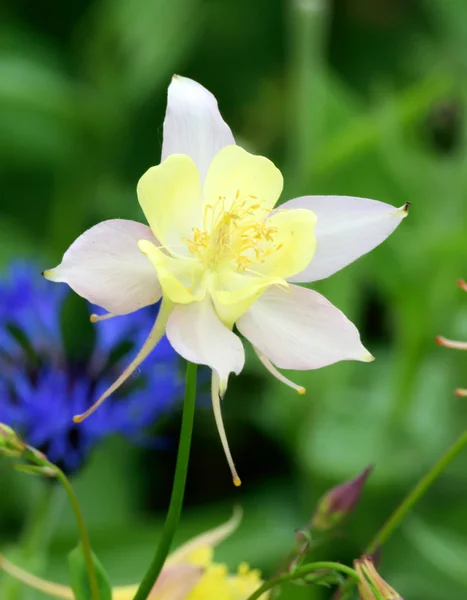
[41,389]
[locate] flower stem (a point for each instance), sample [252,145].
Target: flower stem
[85,541]
[411,499]
[302,572]
[417,492]
[307,39]
[178,490]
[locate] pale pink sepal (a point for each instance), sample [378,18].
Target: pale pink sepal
[347,228]
[176,582]
[105,266]
[193,124]
[299,329]
[196,333]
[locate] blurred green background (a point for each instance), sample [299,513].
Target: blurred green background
[354,97]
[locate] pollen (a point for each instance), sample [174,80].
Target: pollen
[236,232]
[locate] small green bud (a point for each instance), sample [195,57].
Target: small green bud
[10,443]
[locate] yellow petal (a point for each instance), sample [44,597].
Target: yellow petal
[170,196]
[182,279]
[126,592]
[233,293]
[291,251]
[294,242]
[236,176]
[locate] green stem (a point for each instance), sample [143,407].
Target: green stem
[85,541]
[178,490]
[307,31]
[417,492]
[302,572]
[413,497]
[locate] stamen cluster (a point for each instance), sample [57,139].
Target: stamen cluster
[238,235]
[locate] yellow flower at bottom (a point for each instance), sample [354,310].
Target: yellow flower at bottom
[217,584]
[188,574]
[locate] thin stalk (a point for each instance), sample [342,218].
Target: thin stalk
[178,490]
[302,572]
[307,38]
[417,492]
[85,541]
[411,499]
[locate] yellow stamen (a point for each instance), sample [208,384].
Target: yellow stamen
[152,340]
[230,235]
[216,405]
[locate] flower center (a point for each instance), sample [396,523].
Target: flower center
[239,234]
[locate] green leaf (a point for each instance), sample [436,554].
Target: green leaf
[79,577]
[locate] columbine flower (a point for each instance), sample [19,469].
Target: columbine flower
[188,574]
[220,255]
[442,341]
[41,389]
[372,586]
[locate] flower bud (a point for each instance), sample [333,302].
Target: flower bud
[372,586]
[10,443]
[338,502]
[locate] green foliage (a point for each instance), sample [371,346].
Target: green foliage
[79,577]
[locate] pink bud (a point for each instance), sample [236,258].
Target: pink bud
[339,501]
